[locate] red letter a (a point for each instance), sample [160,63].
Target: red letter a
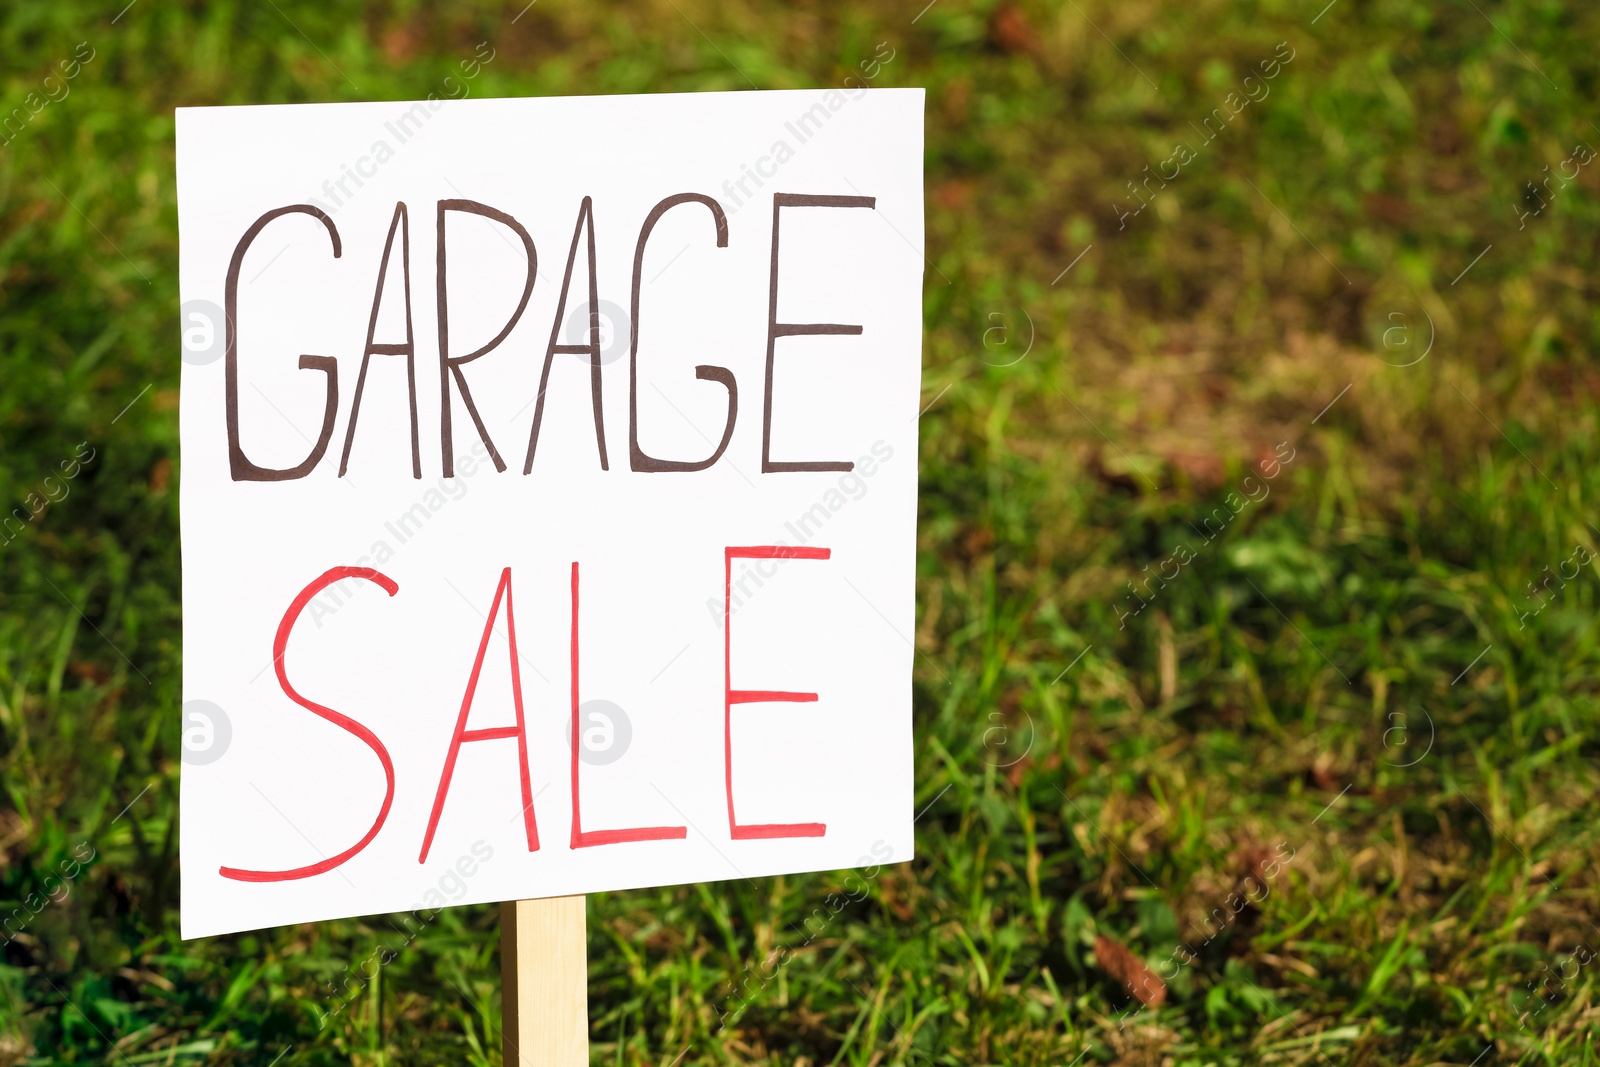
[493,733]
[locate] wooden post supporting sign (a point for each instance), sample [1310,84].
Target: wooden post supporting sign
[544,981]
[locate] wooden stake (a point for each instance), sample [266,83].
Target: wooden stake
[544,982]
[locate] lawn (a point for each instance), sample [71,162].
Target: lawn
[1256,671]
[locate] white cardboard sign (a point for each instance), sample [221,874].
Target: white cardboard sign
[509,420]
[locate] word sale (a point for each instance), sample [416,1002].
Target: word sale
[579,838]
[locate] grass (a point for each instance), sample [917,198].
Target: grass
[1335,782]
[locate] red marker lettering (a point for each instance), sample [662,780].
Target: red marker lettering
[280,645]
[756,696]
[493,733]
[580,837]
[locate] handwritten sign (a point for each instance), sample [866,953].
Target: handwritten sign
[548,496]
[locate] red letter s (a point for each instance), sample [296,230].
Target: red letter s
[344,722]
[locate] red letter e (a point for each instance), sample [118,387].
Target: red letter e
[756,696]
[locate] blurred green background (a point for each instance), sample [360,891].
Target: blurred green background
[1327,795]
